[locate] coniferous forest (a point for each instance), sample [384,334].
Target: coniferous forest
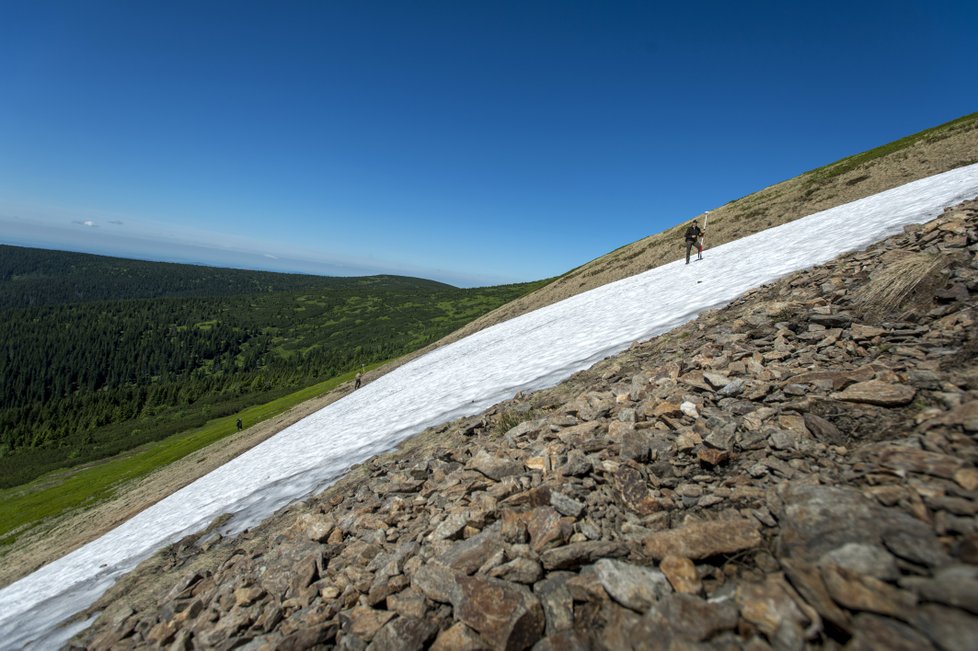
[99,355]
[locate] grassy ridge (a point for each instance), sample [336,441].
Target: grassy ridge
[50,496]
[851,163]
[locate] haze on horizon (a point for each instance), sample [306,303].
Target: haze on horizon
[469,143]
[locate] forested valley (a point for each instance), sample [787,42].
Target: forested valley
[99,355]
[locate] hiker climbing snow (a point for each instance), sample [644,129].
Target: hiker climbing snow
[694,237]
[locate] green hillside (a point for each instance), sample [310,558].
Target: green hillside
[99,355]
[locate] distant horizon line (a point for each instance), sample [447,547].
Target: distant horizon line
[285,269]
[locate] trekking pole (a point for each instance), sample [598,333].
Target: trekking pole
[706,222]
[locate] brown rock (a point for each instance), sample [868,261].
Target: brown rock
[459,637]
[770,607]
[860,331]
[670,370]
[634,491]
[578,554]
[635,444]
[682,574]
[818,519]
[539,496]
[823,430]
[335,538]
[547,528]
[688,441]
[616,628]
[592,405]
[949,628]
[513,526]
[364,622]
[807,579]
[495,467]
[229,626]
[871,632]
[704,539]
[875,392]
[965,415]
[712,457]
[163,633]
[404,634]
[519,570]
[563,641]
[466,556]
[858,592]
[307,637]
[586,437]
[306,572]
[633,586]
[578,464]
[190,611]
[966,548]
[957,589]
[316,526]
[506,614]
[837,380]
[921,461]
[436,581]
[716,380]
[565,504]
[916,543]
[540,464]
[399,483]
[408,603]
[967,478]
[555,597]
[689,618]
[451,527]
[697,380]
[663,408]
[246,596]
[861,558]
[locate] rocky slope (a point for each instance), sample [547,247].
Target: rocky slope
[797,469]
[929,152]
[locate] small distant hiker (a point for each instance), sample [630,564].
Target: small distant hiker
[357,380]
[694,237]
[240,425]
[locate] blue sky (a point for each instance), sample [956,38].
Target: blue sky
[470,142]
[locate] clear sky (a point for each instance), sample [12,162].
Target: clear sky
[470,142]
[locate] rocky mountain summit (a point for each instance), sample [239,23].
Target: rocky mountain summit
[795,470]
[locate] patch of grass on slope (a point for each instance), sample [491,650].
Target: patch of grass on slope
[848,164]
[25,506]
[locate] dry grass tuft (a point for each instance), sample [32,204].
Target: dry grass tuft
[904,287]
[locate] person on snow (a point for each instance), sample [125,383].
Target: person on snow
[694,237]
[358,380]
